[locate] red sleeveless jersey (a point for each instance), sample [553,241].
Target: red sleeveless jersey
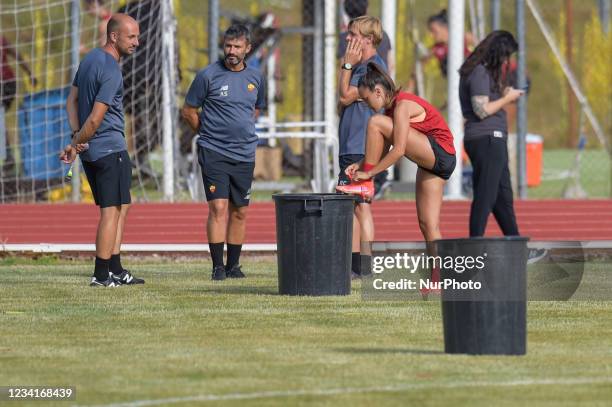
[433,125]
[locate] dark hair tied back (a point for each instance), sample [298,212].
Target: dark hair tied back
[375,75]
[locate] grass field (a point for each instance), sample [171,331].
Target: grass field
[594,173]
[239,343]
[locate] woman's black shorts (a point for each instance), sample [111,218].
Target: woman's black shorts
[445,162]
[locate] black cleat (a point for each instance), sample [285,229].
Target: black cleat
[235,272]
[109,282]
[126,278]
[218,273]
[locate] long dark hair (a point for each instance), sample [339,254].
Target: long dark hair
[492,52]
[375,75]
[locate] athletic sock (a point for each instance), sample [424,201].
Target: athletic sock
[101,269]
[355,263]
[366,264]
[216,252]
[233,255]
[115,264]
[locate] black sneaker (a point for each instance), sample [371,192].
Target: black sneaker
[235,272]
[218,273]
[126,278]
[109,282]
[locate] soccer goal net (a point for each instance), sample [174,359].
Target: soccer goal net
[41,45]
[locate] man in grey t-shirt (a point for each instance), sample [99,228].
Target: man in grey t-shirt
[95,112]
[364,36]
[354,9]
[221,105]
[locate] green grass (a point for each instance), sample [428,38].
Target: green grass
[182,335]
[594,173]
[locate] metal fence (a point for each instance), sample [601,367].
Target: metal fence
[296,49]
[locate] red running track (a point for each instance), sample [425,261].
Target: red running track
[394,221]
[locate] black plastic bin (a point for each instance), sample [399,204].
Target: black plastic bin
[492,320]
[313,237]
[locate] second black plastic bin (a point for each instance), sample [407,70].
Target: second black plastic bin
[492,320]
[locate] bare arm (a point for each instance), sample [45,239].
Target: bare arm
[484,108]
[191,116]
[72,107]
[401,131]
[92,124]
[82,136]
[348,94]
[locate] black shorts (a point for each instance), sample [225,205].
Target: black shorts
[343,179]
[445,162]
[110,179]
[225,178]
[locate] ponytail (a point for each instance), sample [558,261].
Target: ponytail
[375,75]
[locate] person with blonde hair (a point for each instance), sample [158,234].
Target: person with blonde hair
[364,36]
[354,9]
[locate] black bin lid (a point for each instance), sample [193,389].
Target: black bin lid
[313,197]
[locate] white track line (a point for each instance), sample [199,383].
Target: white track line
[128,247]
[349,390]
[254,247]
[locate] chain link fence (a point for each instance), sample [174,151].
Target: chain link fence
[39,46]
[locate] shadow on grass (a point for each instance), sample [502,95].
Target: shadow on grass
[228,289]
[391,350]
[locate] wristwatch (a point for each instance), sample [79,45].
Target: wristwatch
[347,66]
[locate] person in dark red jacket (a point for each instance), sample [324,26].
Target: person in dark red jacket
[8,90]
[8,79]
[410,127]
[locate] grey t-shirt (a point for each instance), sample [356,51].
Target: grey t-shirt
[99,79]
[479,82]
[354,118]
[228,100]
